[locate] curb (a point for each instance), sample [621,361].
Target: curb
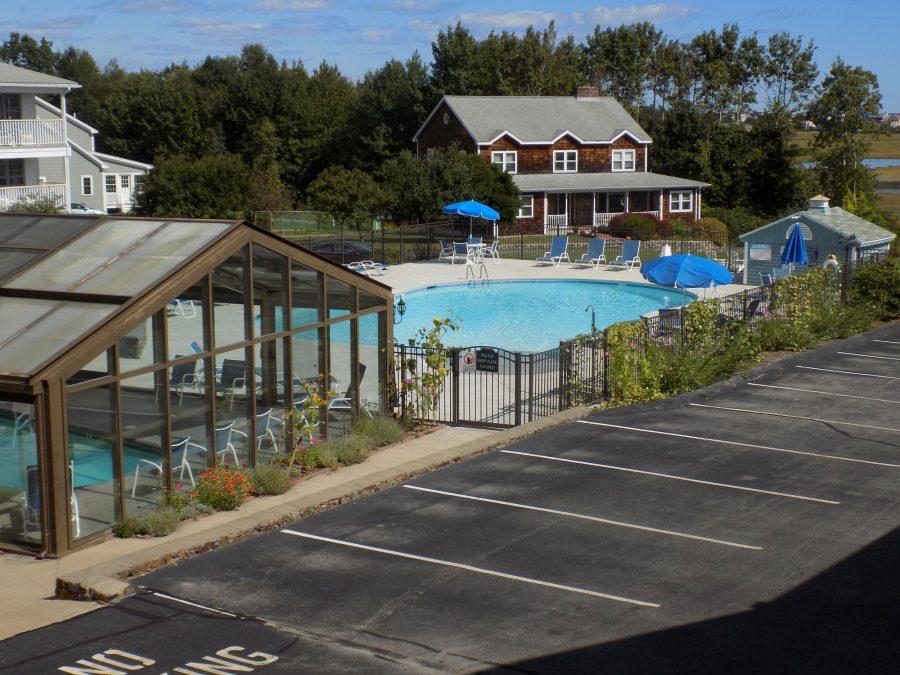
[109,581]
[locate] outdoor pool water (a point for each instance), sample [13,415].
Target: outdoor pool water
[529,316]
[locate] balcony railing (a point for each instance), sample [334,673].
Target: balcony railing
[30,133]
[603,219]
[10,196]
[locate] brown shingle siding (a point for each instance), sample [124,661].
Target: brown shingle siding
[435,134]
[591,158]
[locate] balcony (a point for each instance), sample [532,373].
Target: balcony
[16,135]
[10,196]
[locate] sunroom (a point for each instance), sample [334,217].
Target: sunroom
[134,353]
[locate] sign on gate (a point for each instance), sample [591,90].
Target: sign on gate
[467,361]
[487,360]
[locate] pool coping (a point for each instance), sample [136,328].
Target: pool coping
[110,580]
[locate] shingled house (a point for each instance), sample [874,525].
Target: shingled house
[578,160]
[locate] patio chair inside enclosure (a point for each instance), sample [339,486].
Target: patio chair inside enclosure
[630,258]
[180,464]
[558,250]
[491,251]
[31,504]
[461,251]
[264,421]
[232,380]
[345,403]
[446,251]
[224,446]
[596,253]
[185,308]
[184,375]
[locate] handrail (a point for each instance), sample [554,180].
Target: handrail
[30,133]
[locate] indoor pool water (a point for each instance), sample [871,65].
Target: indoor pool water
[529,316]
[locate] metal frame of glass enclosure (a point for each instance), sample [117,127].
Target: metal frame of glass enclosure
[134,353]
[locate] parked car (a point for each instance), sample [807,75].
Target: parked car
[343,252]
[81,209]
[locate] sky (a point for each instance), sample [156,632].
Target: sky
[359,35]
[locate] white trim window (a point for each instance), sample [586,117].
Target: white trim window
[125,181]
[681,201]
[526,206]
[109,183]
[505,159]
[565,161]
[140,182]
[87,186]
[623,160]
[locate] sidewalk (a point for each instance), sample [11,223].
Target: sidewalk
[29,587]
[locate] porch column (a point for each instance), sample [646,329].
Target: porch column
[545,209]
[65,126]
[627,194]
[697,205]
[661,209]
[593,209]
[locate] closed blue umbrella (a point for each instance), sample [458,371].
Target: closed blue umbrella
[794,252]
[686,271]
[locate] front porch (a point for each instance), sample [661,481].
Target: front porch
[580,210]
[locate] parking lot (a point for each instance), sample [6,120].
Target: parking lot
[752,525]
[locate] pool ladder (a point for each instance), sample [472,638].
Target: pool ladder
[483,275]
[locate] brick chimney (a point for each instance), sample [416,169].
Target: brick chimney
[587,93]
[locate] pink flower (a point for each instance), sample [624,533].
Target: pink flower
[409,380]
[179,486]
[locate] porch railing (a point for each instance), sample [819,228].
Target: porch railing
[603,219]
[557,218]
[27,133]
[10,196]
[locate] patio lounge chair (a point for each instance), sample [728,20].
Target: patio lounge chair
[629,258]
[461,251]
[491,251]
[232,380]
[558,250]
[184,376]
[264,422]
[446,251]
[180,463]
[779,272]
[595,255]
[368,267]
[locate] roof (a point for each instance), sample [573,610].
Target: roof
[121,160]
[625,180]
[69,116]
[22,77]
[542,120]
[837,220]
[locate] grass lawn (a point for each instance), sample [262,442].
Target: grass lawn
[884,147]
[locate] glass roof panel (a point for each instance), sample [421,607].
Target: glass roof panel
[154,258]
[65,268]
[11,260]
[53,326]
[12,223]
[51,231]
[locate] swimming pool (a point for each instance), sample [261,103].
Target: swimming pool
[529,316]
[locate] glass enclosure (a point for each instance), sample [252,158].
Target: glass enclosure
[20,484]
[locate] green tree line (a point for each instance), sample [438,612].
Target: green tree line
[246,132]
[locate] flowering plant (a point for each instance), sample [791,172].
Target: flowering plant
[222,487]
[422,387]
[305,417]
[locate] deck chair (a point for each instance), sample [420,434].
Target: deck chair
[446,251]
[558,250]
[232,380]
[473,239]
[345,403]
[368,267]
[596,253]
[461,251]
[629,258]
[491,251]
[184,376]
[765,279]
[180,463]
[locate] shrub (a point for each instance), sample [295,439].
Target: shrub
[712,229]
[737,220]
[878,286]
[641,226]
[195,510]
[157,522]
[382,429]
[270,479]
[222,488]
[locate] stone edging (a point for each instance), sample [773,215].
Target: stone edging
[109,581]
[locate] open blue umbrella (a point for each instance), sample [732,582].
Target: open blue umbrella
[471,209]
[794,252]
[686,271]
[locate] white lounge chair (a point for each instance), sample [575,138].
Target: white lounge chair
[461,251]
[596,253]
[629,258]
[491,251]
[558,250]
[368,267]
[446,251]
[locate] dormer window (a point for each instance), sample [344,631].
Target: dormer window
[623,160]
[506,160]
[565,161]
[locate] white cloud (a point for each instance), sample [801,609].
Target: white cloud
[214,27]
[275,5]
[416,5]
[507,20]
[377,35]
[657,13]
[158,6]
[59,28]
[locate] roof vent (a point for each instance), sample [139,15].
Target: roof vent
[587,93]
[819,203]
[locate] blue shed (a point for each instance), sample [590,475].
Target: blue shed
[826,229]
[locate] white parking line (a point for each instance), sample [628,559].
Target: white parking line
[470,568]
[848,372]
[194,604]
[871,356]
[887,342]
[741,444]
[795,417]
[581,516]
[667,475]
[828,393]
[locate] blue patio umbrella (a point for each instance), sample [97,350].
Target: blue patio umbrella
[794,252]
[686,271]
[472,209]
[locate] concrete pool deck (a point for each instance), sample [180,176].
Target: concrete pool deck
[428,272]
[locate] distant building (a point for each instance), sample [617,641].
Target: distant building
[577,160]
[45,152]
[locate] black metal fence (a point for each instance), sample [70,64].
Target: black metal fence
[493,387]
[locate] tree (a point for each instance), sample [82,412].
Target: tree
[349,195]
[26,52]
[845,109]
[79,66]
[619,60]
[775,182]
[789,72]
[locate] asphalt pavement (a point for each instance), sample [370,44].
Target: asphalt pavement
[750,526]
